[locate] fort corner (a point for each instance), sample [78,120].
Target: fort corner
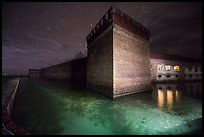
[118,55]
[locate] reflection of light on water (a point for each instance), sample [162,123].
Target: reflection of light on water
[177,96]
[169,98]
[160,98]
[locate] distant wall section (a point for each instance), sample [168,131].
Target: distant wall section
[34,73]
[73,71]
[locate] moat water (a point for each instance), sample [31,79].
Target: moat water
[45,107]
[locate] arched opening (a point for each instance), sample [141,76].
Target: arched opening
[159,67]
[176,68]
[168,75]
[168,67]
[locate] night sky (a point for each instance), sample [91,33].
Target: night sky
[37,35]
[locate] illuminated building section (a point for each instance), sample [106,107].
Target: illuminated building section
[173,67]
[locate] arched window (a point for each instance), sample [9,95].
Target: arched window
[168,67]
[176,68]
[159,67]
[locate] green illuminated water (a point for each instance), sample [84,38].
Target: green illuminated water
[50,107]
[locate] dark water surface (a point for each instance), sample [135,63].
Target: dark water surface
[51,107]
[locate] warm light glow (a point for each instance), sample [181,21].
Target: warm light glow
[160,98]
[177,96]
[168,67]
[159,67]
[176,68]
[169,98]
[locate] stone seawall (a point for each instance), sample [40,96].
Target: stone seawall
[9,127]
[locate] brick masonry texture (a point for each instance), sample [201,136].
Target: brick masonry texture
[100,63]
[131,62]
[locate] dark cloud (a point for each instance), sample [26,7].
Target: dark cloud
[36,35]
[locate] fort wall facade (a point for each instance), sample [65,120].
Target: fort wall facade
[34,73]
[119,61]
[60,71]
[100,63]
[73,71]
[131,62]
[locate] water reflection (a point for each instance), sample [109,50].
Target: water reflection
[160,98]
[193,90]
[49,107]
[167,96]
